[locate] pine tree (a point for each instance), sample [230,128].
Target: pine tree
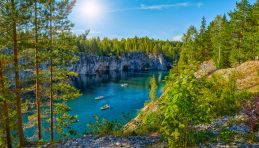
[14,24]
[253,36]
[239,22]
[188,53]
[37,63]
[220,39]
[202,42]
[51,70]
[61,53]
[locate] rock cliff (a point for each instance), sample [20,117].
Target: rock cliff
[134,61]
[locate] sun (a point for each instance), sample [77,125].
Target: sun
[92,10]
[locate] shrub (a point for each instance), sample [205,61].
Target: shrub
[152,121]
[183,107]
[198,137]
[226,135]
[104,127]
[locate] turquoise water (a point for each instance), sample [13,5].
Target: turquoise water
[122,100]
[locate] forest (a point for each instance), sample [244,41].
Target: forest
[37,45]
[111,47]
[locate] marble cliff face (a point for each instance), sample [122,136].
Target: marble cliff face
[134,61]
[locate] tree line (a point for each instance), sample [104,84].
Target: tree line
[36,46]
[116,47]
[227,41]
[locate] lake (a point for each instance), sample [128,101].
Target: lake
[126,100]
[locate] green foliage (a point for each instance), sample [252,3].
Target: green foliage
[227,42]
[183,107]
[226,135]
[202,43]
[241,23]
[153,89]
[104,126]
[224,97]
[115,47]
[64,121]
[220,37]
[198,137]
[152,121]
[188,50]
[38,34]
[190,101]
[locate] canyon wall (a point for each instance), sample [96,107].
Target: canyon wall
[134,61]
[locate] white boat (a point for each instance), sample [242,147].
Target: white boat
[99,97]
[124,84]
[106,106]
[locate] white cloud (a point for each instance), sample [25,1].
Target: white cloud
[152,7]
[177,38]
[162,6]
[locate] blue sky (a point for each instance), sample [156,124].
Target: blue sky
[159,19]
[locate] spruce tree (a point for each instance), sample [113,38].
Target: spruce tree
[202,43]
[188,53]
[220,37]
[239,22]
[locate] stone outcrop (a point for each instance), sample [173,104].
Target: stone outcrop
[247,75]
[134,61]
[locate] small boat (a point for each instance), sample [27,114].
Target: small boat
[99,97]
[124,84]
[106,106]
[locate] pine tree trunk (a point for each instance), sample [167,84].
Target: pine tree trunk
[51,79]
[6,112]
[17,77]
[37,71]
[7,125]
[186,137]
[219,57]
[51,102]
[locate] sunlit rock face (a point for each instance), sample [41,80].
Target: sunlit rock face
[134,61]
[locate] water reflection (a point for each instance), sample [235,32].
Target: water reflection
[83,82]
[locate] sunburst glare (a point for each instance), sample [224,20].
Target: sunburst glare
[92,10]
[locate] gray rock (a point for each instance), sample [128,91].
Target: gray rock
[136,61]
[112,142]
[240,128]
